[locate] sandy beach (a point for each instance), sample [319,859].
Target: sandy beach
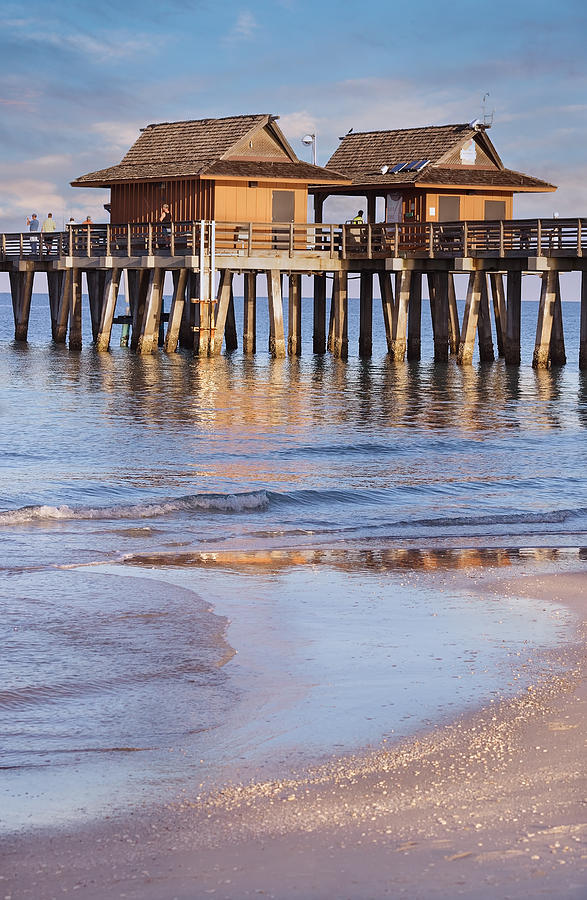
[491,806]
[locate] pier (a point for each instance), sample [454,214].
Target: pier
[203,257]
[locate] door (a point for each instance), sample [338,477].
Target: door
[494,210]
[283,210]
[449,209]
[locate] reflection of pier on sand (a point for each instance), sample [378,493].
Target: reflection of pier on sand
[353,560]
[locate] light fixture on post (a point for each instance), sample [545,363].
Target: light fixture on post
[310,141]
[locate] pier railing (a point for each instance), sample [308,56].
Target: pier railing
[521,237]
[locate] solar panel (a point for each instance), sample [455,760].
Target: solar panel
[415,165]
[399,167]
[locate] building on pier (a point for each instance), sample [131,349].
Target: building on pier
[235,169]
[443,173]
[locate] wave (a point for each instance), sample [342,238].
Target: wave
[308,499]
[547,517]
[221,503]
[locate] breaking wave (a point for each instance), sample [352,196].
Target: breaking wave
[221,503]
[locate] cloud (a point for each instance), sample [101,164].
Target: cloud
[23,195]
[113,45]
[245,27]
[295,125]
[117,135]
[569,200]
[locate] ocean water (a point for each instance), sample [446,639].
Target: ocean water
[214,568]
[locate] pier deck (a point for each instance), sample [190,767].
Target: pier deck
[495,254]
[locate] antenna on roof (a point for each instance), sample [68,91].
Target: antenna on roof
[487,117]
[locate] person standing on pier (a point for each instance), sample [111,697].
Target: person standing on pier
[358,219]
[48,228]
[33,226]
[165,219]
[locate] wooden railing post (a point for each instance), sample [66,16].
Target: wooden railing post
[331,240]
[465,239]
[396,240]
[250,240]
[579,236]
[501,241]
[89,241]
[3,244]
[369,241]
[344,241]
[291,238]
[539,237]
[172,241]
[150,240]
[21,243]
[430,239]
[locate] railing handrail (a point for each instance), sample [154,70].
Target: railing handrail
[536,237]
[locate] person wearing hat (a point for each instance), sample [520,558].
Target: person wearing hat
[33,226]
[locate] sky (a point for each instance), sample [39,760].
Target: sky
[79,80]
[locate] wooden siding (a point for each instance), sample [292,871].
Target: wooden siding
[235,201]
[189,200]
[260,145]
[472,205]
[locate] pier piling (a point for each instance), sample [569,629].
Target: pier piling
[583,328]
[414,350]
[454,331]
[250,313]
[294,318]
[486,353]
[274,297]
[340,344]
[319,319]
[441,316]
[541,357]
[180,279]
[21,289]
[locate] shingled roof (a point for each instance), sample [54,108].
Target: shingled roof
[199,147]
[361,156]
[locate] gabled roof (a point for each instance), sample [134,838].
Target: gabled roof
[362,155]
[200,147]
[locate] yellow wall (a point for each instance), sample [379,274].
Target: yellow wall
[472,205]
[235,201]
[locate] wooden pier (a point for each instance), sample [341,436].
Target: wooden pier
[203,257]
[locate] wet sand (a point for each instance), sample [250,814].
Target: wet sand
[490,806]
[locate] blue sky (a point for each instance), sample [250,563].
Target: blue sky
[78,81]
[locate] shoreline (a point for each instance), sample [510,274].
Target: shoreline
[489,805]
